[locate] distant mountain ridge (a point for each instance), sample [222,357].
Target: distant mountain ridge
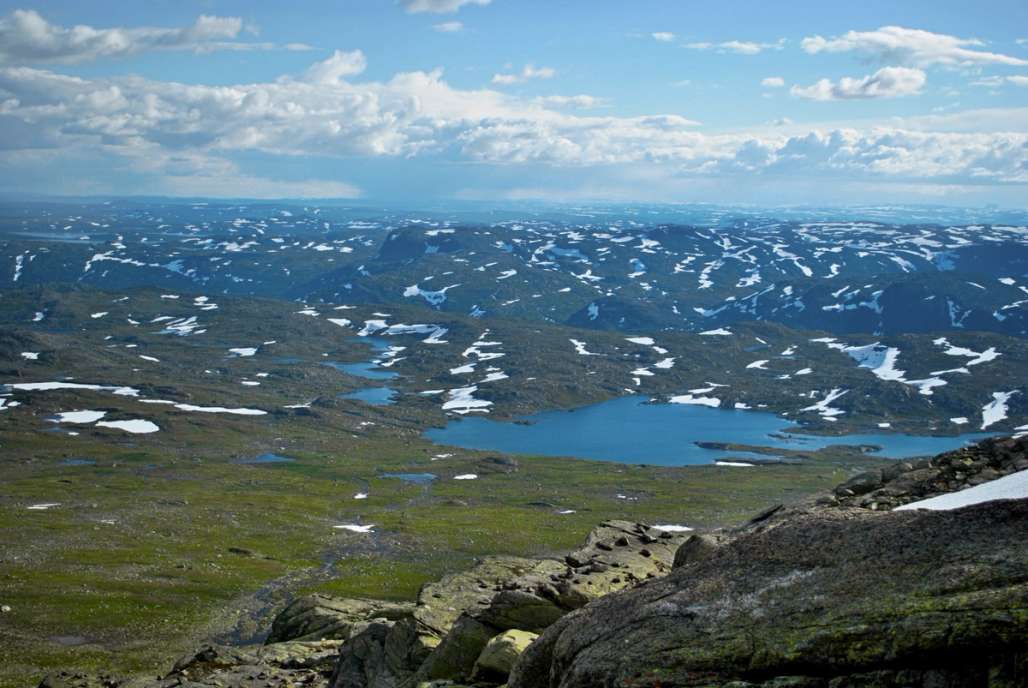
[841,276]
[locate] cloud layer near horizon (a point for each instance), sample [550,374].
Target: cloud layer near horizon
[323,112]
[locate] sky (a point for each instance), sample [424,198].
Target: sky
[767,103]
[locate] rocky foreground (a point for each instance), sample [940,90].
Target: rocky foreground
[841,592]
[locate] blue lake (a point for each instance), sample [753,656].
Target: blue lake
[268,458]
[628,430]
[376,396]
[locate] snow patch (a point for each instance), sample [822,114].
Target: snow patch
[1013,486]
[996,410]
[134,426]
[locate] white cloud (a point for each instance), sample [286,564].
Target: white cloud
[890,153]
[979,120]
[528,72]
[773,82]
[440,6]
[25,36]
[333,70]
[663,36]
[184,136]
[449,27]
[915,47]
[997,81]
[887,82]
[738,47]
[583,102]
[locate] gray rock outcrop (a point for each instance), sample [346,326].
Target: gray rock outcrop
[816,597]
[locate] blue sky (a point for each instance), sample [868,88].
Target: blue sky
[414,100]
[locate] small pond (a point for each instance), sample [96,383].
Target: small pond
[78,461]
[416,478]
[368,370]
[376,396]
[267,458]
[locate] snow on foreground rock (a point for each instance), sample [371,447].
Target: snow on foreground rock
[1013,486]
[970,475]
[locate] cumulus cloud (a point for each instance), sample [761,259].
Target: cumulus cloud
[439,6]
[180,131]
[25,36]
[739,47]
[663,36]
[527,72]
[449,27]
[887,82]
[773,82]
[914,47]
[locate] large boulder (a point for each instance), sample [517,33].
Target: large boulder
[700,546]
[617,554]
[455,656]
[526,595]
[382,654]
[362,660]
[498,657]
[825,597]
[320,617]
[318,655]
[440,604]
[419,647]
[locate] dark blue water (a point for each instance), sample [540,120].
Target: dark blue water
[268,458]
[376,396]
[367,370]
[629,430]
[78,462]
[416,478]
